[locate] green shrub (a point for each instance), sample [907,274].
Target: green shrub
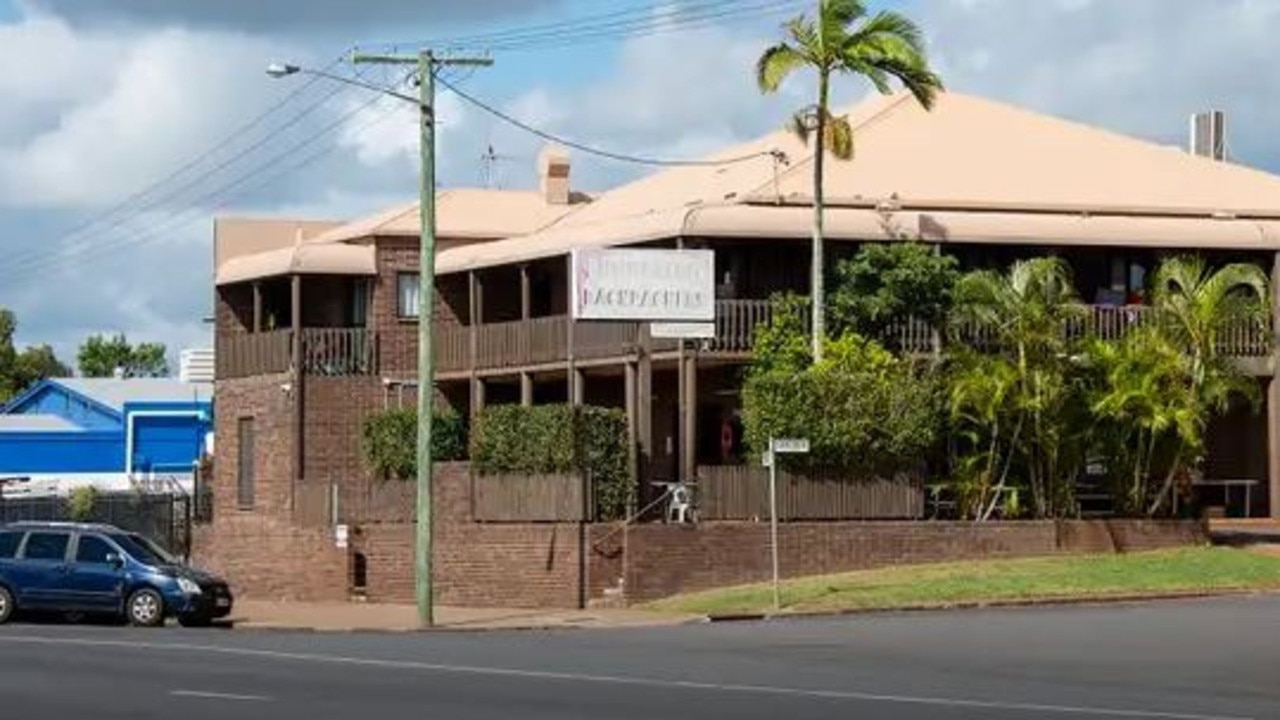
[81,503]
[864,411]
[389,441]
[557,439]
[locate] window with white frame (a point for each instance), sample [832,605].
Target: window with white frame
[407,295]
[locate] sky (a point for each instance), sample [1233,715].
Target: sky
[122,130]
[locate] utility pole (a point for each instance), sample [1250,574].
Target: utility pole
[427,63]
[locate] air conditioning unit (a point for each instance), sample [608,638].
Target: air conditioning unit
[196,366]
[1209,135]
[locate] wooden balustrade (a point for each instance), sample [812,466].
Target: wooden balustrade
[339,351]
[266,353]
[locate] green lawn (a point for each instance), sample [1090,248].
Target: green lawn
[1066,577]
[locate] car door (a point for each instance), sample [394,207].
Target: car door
[95,582]
[42,568]
[10,541]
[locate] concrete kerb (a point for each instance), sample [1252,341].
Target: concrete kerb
[1099,600]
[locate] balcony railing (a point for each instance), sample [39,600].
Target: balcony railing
[266,353]
[339,351]
[546,340]
[325,351]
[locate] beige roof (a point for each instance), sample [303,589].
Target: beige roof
[237,236]
[300,259]
[463,213]
[972,170]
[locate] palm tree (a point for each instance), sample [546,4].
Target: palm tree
[1025,313]
[1196,306]
[842,39]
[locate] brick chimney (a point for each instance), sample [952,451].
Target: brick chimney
[553,175]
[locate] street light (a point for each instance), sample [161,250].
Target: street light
[426,64]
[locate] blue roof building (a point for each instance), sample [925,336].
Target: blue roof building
[108,432]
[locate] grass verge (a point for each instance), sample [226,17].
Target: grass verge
[1073,577]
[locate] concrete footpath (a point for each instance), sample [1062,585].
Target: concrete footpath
[377,617]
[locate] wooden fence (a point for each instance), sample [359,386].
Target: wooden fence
[529,498]
[250,354]
[317,504]
[741,492]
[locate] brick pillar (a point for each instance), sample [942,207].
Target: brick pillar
[1273,401]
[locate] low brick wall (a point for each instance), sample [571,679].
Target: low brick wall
[476,564]
[266,558]
[663,560]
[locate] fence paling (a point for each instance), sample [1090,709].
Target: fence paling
[529,498]
[742,493]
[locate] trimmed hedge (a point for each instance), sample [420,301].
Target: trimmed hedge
[389,441]
[557,439]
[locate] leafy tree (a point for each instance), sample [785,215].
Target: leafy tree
[842,39]
[101,355]
[885,283]
[20,369]
[864,411]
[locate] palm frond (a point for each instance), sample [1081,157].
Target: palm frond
[798,125]
[775,64]
[888,24]
[839,136]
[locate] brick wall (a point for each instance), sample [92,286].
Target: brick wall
[662,560]
[398,340]
[268,558]
[476,564]
[271,408]
[334,413]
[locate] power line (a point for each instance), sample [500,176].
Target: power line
[217,196]
[608,154]
[208,153]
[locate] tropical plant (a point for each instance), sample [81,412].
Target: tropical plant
[842,39]
[1021,318]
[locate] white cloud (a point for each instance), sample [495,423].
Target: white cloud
[1138,66]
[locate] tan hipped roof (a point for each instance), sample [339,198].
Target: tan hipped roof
[463,213]
[237,236]
[972,170]
[300,259]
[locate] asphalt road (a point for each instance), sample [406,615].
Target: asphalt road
[1173,661]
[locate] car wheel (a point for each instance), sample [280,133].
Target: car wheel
[6,605]
[145,608]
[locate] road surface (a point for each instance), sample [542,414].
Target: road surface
[1196,660]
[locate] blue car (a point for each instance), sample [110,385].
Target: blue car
[79,568]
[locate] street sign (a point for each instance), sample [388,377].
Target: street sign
[791,445]
[683,331]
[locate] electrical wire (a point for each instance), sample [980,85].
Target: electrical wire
[608,154]
[217,197]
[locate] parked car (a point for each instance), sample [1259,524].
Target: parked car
[81,568]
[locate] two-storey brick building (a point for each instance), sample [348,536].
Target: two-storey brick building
[316,322]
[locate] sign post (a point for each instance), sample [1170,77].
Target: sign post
[778,446]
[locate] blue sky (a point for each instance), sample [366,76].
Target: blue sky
[125,91]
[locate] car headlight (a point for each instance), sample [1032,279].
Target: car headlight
[188,586]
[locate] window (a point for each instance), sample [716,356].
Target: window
[244,475]
[143,550]
[9,542]
[407,295]
[47,546]
[92,549]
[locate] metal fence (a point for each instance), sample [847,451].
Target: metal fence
[163,517]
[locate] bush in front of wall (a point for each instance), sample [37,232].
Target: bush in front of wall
[389,441]
[556,440]
[81,503]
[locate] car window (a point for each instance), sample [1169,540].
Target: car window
[46,546]
[92,549]
[142,550]
[9,542]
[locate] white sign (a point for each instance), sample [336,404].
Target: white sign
[766,459]
[683,331]
[340,535]
[791,445]
[643,284]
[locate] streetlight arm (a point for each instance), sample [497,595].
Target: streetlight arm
[294,69]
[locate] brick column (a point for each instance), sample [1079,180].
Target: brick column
[1273,401]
